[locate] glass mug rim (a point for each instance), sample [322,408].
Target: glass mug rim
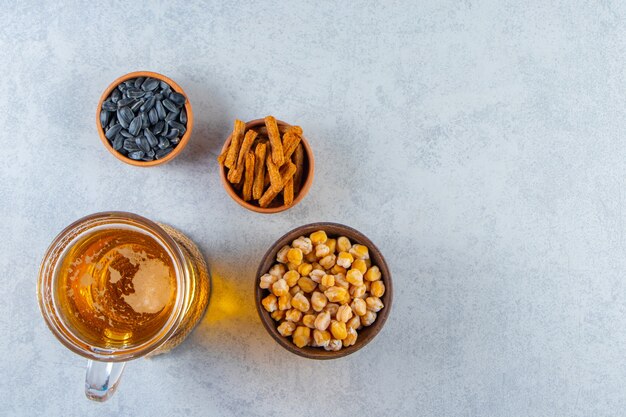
[47,280]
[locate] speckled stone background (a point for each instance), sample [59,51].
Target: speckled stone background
[479,144]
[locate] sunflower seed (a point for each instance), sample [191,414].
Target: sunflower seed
[158,96]
[138,82]
[163,142]
[161,153]
[118,142]
[104,118]
[151,154]
[183,116]
[150,84]
[118,134]
[170,116]
[145,121]
[149,103]
[113,130]
[125,101]
[158,127]
[172,134]
[109,106]
[116,95]
[125,114]
[152,140]
[130,145]
[160,110]
[135,93]
[143,144]
[124,123]
[152,115]
[177,98]
[129,83]
[166,128]
[136,155]
[126,133]
[170,106]
[176,125]
[136,105]
[174,141]
[135,125]
[164,85]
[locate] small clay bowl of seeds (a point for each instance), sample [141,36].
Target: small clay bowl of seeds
[323,291]
[144,119]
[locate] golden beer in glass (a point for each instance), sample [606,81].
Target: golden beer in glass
[115,287]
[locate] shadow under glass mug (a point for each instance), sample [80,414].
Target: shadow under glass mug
[115,286]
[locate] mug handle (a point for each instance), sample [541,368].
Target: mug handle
[102,378]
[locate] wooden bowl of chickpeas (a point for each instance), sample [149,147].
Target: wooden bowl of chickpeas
[323,291]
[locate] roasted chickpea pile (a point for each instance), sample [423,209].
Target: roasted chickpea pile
[322,291]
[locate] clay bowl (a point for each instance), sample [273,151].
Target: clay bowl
[334,230]
[183,141]
[307,178]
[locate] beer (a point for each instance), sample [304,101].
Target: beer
[116,287]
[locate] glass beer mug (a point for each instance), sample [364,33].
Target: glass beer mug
[115,287]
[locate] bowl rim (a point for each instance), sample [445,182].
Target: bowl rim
[304,190]
[312,352]
[183,141]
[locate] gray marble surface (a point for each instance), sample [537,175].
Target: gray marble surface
[479,144]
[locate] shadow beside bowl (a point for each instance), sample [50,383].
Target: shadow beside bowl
[333,230]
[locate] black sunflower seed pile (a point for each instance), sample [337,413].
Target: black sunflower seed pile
[144,119]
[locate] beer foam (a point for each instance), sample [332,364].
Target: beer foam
[152,287]
[114,275]
[86,280]
[134,257]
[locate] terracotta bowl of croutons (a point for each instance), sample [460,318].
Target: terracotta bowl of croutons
[256,199]
[323,291]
